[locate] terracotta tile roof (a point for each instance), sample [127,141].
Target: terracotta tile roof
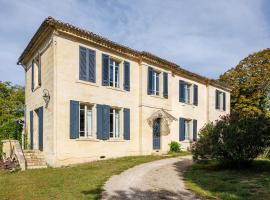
[50,24]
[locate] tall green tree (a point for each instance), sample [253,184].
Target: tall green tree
[11,110]
[250,80]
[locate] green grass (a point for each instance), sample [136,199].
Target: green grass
[83,181]
[213,182]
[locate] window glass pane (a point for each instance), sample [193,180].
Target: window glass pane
[89,121]
[186,130]
[82,116]
[111,122]
[117,124]
[116,75]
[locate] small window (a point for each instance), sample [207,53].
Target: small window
[114,123]
[114,73]
[85,120]
[220,100]
[36,73]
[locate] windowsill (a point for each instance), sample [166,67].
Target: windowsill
[221,110]
[115,140]
[188,104]
[87,83]
[157,96]
[115,88]
[88,139]
[186,141]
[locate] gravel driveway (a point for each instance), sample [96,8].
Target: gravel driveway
[160,179]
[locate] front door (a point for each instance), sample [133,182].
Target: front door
[156,134]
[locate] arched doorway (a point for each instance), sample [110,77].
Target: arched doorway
[156,134]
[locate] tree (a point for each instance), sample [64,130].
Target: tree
[250,80]
[11,110]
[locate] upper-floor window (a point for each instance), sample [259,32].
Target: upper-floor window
[188,93]
[114,123]
[85,120]
[36,72]
[87,69]
[114,73]
[153,82]
[220,100]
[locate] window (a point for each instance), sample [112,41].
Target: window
[85,120]
[114,73]
[87,68]
[114,123]
[153,82]
[187,92]
[220,100]
[187,129]
[36,72]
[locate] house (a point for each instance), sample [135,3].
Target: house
[89,98]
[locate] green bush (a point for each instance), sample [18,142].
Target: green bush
[234,140]
[175,147]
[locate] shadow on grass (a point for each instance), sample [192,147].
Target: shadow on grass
[213,180]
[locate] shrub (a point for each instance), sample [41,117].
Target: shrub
[175,147]
[234,140]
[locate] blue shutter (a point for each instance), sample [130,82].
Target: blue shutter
[33,73]
[82,70]
[91,65]
[126,124]
[105,69]
[217,99]
[40,128]
[74,119]
[224,101]
[194,130]
[195,95]
[106,122]
[165,84]
[31,130]
[126,75]
[99,121]
[181,91]
[39,69]
[182,129]
[150,81]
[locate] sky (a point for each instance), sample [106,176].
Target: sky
[206,37]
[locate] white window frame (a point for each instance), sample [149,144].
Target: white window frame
[188,129]
[115,65]
[154,84]
[188,92]
[220,99]
[88,133]
[116,123]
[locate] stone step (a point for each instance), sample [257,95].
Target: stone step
[34,159]
[37,167]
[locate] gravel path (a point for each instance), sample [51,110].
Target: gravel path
[160,179]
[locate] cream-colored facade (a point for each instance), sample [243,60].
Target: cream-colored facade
[58,45]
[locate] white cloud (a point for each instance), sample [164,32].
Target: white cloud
[206,37]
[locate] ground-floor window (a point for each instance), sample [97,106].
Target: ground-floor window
[187,129]
[114,123]
[85,120]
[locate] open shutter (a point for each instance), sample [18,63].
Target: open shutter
[99,121]
[83,71]
[126,124]
[105,69]
[195,95]
[194,130]
[31,130]
[106,122]
[91,62]
[126,76]
[181,129]
[150,81]
[39,69]
[217,99]
[181,91]
[40,128]
[33,74]
[74,119]
[224,101]
[165,84]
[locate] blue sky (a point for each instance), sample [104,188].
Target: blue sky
[206,37]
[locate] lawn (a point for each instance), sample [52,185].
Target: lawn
[213,182]
[83,181]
